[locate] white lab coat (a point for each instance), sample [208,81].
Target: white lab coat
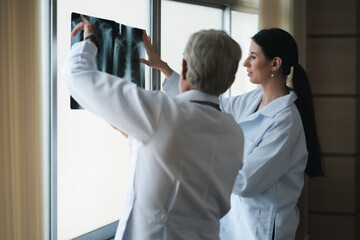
[270,182]
[185,155]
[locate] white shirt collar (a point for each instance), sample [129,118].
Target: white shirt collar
[278,104]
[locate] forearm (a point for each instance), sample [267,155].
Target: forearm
[165,69]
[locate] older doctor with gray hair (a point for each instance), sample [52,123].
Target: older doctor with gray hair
[186,153]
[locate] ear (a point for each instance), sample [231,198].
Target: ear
[276,63]
[184,82]
[184,69]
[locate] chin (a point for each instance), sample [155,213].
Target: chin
[253,81]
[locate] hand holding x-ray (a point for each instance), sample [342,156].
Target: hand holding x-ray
[120,47]
[154,60]
[84,25]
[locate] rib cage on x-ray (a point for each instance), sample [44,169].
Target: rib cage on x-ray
[119,52]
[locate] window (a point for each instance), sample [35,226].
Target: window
[176,29]
[90,159]
[243,27]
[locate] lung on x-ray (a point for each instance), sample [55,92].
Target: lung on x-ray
[119,52]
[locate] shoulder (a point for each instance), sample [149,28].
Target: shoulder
[286,109]
[288,120]
[243,97]
[237,103]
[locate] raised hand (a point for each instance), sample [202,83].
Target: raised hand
[84,25]
[154,60]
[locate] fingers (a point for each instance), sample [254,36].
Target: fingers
[153,59]
[149,48]
[77,28]
[146,62]
[147,42]
[123,133]
[84,25]
[84,20]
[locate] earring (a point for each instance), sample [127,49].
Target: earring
[272,74]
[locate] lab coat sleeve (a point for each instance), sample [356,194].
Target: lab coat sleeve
[171,85]
[276,154]
[240,106]
[232,105]
[122,104]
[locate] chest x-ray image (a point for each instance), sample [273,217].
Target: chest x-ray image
[119,52]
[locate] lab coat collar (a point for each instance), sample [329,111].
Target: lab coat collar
[197,95]
[278,104]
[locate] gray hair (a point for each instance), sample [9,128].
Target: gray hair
[212,58]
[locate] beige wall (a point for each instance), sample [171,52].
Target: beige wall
[333,55]
[20,122]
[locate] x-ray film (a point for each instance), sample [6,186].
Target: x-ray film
[119,52]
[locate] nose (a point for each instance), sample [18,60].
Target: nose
[246,62]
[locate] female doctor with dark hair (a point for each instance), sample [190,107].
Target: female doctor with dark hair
[281,140]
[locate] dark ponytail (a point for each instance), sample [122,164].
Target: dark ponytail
[276,42]
[305,106]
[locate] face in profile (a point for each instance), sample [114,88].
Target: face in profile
[257,65]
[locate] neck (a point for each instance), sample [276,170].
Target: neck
[272,92]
